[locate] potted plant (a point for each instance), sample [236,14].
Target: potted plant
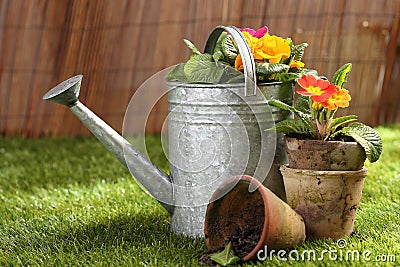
[275,63]
[325,174]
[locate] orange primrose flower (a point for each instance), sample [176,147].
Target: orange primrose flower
[319,90]
[340,99]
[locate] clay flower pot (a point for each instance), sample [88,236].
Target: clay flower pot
[251,219]
[323,183]
[324,155]
[327,200]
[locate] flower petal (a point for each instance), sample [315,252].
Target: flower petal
[319,90]
[296,64]
[304,81]
[340,99]
[249,30]
[261,32]
[304,92]
[239,63]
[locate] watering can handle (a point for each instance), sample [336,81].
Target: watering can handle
[244,50]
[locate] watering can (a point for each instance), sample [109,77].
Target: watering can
[222,124]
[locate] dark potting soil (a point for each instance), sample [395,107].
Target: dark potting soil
[243,239]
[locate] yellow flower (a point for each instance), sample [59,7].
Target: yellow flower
[273,48]
[255,45]
[296,64]
[268,47]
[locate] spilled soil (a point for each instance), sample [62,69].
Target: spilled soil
[242,227]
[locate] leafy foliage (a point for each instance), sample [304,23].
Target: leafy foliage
[205,68]
[339,78]
[218,54]
[305,117]
[192,47]
[229,49]
[302,104]
[297,126]
[337,122]
[225,257]
[367,137]
[298,51]
[265,70]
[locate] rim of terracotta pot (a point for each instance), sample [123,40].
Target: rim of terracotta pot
[252,181]
[322,141]
[329,173]
[321,155]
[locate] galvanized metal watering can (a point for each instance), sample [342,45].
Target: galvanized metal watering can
[214,131]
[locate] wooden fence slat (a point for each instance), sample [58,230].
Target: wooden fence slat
[119,44]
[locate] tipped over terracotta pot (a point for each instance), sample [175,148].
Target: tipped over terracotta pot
[247,214]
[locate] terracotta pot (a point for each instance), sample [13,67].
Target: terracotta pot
[324,155]
[327,200]
[235,213]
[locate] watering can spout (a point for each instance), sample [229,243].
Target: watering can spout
[156,182]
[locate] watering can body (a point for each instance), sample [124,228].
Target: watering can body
[214,133]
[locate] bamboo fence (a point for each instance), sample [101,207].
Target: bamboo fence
[118,44]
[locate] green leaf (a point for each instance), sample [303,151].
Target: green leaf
[303,104]
[196,62]
[218,53]
[192,47]
[287,77]
[229,49]
[298,51]
[177,74]
[230,74]
[294,126]
[202,69]
[267,69]
[342,121]
[339,78]
[225,257]
[303,116]
[203,72]
[367,137]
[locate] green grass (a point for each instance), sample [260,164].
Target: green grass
[70,202]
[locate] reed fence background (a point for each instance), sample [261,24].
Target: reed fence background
[118,44]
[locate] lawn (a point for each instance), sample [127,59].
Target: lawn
[67,201]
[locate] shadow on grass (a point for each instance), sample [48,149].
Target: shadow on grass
[29,164]
[143,235]
[138,229]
